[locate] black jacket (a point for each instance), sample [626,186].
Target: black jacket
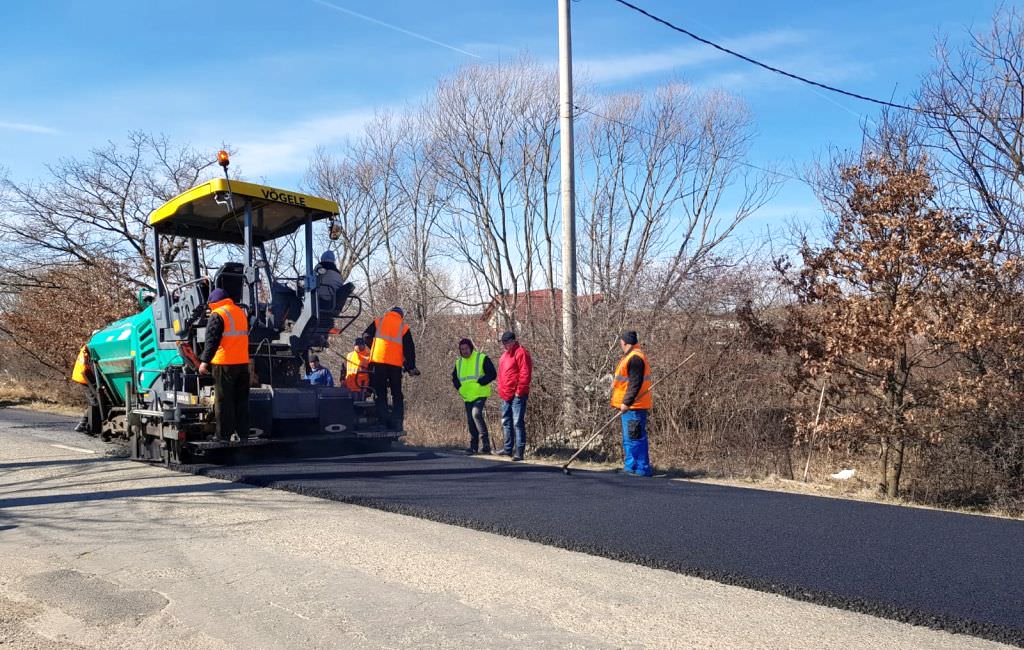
[490,374]
[635,372]
[408,347]
[214,333]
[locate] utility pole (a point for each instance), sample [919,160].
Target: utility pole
[568,216]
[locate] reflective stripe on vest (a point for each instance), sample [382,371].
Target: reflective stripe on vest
[234,342]
[80,373]
[470,370]
[387,339]
[620,383]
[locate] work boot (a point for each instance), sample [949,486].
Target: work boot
[82,427]
[518,456]
[486,451]
[502,452]
[471,452]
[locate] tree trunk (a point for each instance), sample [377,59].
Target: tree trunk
[884,470]
[893,479]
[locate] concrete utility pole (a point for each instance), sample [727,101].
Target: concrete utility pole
[568,216]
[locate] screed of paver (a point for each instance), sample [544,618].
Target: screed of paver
[245,567]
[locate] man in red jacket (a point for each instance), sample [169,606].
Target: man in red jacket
[514,372]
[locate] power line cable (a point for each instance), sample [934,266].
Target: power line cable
[770,68]
[653,135]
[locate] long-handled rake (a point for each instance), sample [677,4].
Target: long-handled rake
[604,427]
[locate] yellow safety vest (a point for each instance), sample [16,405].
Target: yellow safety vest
[470,370]
[80,373]
[356,375]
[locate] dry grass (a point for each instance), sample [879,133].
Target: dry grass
[14,395]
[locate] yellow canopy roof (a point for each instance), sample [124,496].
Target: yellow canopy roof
[202,212]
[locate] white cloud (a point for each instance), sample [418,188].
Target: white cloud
[288,149]
[28,128]
[620,68]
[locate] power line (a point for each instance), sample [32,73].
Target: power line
[653,135]
[797,77]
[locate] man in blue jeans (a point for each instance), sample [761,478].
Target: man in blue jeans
[515,369]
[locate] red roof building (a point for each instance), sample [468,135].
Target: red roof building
[543,305]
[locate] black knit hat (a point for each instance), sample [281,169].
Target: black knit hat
[507,336]
[314,359]
[466,342]
[629,337]
[359,341]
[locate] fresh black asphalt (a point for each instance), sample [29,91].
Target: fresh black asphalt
[960,573]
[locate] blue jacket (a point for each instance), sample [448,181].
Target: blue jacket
[320,377]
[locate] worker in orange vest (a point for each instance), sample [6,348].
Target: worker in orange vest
[82,374]
[226,355]
[391,351]
[631,395]
[357,366]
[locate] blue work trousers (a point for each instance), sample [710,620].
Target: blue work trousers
[513,419]
[634,443]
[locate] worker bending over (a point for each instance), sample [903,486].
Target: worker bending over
[357,366]
[631,394]
[392,350]
[226,354]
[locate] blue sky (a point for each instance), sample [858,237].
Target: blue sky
[277,78]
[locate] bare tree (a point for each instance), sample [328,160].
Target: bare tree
[495,130]
[97,208]
[661,168]
[657,170]
[974,101]
[348,182]
[423,197]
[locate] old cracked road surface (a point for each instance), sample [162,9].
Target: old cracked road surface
[79,523]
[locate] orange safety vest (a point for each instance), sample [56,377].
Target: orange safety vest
[80,373]
[620,383]
[387,339]
[356,376]
[234,344]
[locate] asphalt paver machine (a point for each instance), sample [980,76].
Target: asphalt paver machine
[145,367]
